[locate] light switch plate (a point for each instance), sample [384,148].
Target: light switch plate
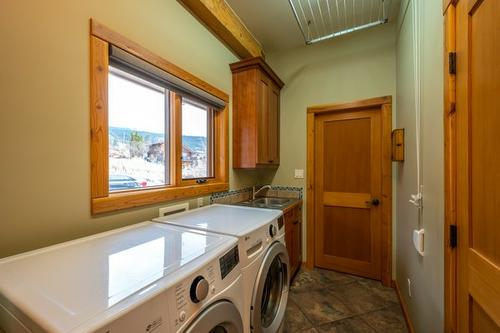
[299,173]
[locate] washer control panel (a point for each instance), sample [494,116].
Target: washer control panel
[199,289]
[272,230]
[281,222]
[229,261]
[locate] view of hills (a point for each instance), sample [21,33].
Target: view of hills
[195,143]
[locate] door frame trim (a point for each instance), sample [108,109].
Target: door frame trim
[450,167]
[385,105]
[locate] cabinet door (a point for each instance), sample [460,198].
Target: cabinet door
[296,248]
[273,124]
[263,88]
[293,238]
[289,238]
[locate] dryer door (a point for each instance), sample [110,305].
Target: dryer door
[220,317]
[270,293]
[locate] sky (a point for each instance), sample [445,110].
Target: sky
[141,108]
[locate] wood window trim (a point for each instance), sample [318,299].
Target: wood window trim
[101,200]
[385,105]
[212,139]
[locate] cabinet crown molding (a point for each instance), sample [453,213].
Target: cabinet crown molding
[257,62]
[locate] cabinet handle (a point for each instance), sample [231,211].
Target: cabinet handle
[270,161]
[296,221]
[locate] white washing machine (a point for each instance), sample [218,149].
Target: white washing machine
[144,278]
[263,256]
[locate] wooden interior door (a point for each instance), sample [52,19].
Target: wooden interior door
[478,167]
[348,188]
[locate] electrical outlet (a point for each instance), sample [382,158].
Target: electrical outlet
[409,288]
[200,202]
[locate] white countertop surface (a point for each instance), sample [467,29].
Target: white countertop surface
[230,220]
[64,286]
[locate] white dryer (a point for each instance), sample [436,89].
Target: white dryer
[144,278]
[263,256]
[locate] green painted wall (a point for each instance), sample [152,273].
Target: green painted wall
[426,273]
[44,119]
[356,66]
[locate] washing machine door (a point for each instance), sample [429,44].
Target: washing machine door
[220,317]
[270,293]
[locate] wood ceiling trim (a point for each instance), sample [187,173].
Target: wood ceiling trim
[218,17]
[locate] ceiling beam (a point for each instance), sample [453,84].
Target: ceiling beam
[226,25]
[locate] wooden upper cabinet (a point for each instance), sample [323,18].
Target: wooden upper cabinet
[274,124]
[256,114]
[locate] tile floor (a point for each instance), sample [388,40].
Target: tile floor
[328,301]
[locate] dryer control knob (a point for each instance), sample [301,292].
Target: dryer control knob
[272,230]
[199,289]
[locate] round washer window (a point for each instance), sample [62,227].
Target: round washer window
[271,295]
[218,329]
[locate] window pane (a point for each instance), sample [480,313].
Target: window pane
[137,126]
[196,140]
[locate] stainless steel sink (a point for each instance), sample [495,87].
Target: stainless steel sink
[266,202]
[271,201]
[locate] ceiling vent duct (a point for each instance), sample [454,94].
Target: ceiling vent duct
[324,19]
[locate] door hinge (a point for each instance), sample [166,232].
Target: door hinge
[453,235]
[452,63]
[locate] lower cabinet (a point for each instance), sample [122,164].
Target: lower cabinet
[293,237]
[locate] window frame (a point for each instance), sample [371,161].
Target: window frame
[210,142]
[167,119]
[102,200]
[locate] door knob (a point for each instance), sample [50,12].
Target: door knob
[373,202]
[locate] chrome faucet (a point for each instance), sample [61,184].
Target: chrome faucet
[254,193]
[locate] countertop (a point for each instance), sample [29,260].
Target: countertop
[293,203]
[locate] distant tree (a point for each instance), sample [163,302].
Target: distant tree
[136,137]
[137,145]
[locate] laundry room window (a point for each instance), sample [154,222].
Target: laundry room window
[197,140]
[138,132]
[158,133]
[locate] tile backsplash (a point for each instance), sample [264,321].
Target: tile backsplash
[234,196]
